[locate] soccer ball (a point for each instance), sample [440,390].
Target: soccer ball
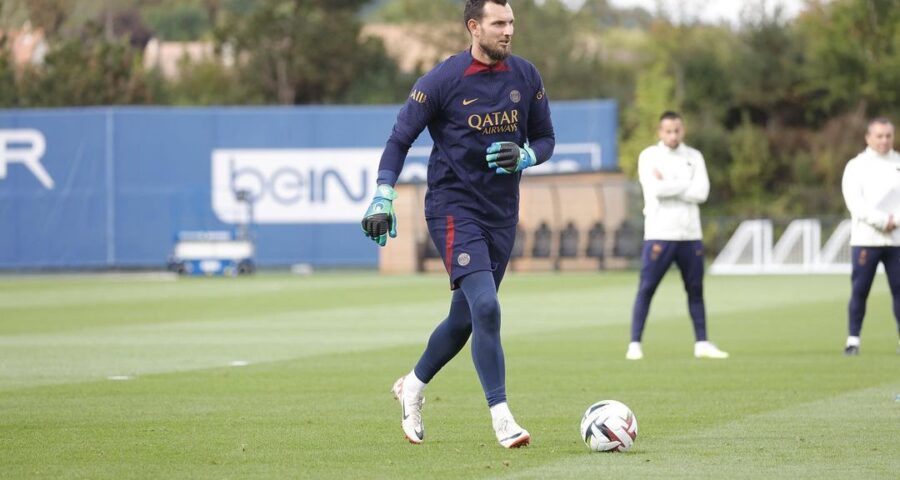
[609,426]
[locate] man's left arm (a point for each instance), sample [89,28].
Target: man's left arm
[541,137]
[698,190]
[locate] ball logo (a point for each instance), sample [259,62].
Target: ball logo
[463,259]
[515,96]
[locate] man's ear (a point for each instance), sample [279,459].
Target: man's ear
[472,25]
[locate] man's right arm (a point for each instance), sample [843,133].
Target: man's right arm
[651,181]
[380,219]
[419,109]
[852,188]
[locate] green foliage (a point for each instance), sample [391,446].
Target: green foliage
[382,82]
[13,14]
[89,71]
[208,83]
[427,11]
[765,73]
[853,55]
[49,15]
[751,169]
[178,20]
[66,19]
[602,15]
[276,61]
[701,66]
[654,94]
[9,96]
[543,36]
[706,133]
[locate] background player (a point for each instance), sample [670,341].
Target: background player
[871,187]
[489,118]
[674,181]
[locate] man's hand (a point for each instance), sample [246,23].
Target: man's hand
[657,174]
[891,224]
[380,220]
[507,157]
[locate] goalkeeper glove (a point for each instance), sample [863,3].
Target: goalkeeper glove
[507,157]
[380,220]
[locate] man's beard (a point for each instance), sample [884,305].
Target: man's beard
[495,54]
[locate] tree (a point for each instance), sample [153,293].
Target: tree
[418,11]
[13,14]
[751,168]
[853,55]
[87,71]
[9,96]
[178,21]
[300,51]
[49,15]
[209,82]
[706,133]
[766,74]
[603,15]
[653,96]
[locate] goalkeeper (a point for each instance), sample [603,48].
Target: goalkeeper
[488,115]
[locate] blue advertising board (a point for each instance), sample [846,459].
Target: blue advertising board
[112,187]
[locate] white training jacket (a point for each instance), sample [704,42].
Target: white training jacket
[671,205]
[871,187]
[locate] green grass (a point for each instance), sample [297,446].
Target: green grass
[324,350]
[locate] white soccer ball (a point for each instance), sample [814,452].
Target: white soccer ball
[609,426]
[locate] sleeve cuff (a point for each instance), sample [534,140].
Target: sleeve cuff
[387,177]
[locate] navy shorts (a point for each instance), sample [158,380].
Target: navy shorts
[467,246]
[658,255]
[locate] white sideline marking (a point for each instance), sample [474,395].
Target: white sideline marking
[239,363]
[118,377]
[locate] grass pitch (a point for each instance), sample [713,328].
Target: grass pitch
[105,377]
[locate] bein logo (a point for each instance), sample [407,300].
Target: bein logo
[294,186]
[25,146]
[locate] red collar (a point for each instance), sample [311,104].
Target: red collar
[478,67]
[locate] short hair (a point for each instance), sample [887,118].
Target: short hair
[878,121]
[669,115]
[475,10]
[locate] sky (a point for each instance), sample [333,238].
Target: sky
[712,11]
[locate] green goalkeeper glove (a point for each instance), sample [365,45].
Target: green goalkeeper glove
[380,220]
[507,157]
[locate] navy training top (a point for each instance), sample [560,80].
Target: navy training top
[467,105]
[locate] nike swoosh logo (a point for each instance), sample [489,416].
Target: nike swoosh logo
[403,410]
[512,437]
[469,102]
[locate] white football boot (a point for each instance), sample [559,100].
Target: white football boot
[410,413]
[634,351]
[510,434]
[708,350]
